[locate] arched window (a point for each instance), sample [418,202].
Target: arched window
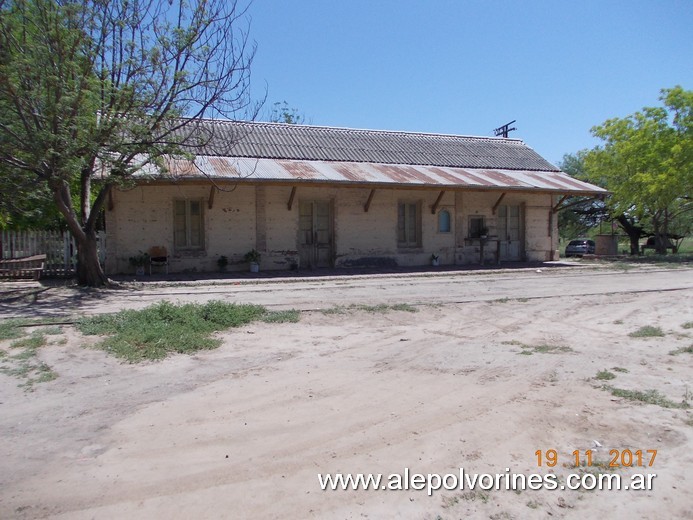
[443,221]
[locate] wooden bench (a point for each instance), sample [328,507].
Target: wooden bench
[27,267]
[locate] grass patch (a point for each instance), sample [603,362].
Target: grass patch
[290,316]
[647,331]
[688,325]
[682,350]
[36,340]
[384,308]
[540,349]
[647,397]
[528,350]
[11,329]
[605,375]
[164,328]
[51,331]
[16,328]
[620,369]
[377,309]
[25,365]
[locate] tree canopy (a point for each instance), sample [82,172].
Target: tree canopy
[105,86]
[646,162]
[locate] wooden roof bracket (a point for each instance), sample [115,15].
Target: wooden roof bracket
[210,201]
[558,205]
[434,208]
[291,198]
[367,206]
[495,206]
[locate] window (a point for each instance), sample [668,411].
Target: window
[477,227]
[408,224]
[188,224]
[444,221]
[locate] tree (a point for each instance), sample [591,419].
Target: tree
[92,91]
[282,113]
[646,163]
[581,213]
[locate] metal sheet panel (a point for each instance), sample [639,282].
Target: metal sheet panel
[246,169]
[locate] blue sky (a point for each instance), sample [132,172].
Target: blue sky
[467,67]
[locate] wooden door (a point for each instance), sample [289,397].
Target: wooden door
[510,233]
[316,232]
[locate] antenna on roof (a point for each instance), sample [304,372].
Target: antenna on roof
[503,131]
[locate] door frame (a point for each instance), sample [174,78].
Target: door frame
[310,253]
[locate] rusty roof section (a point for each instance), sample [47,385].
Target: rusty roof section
[247,170]
[273,152]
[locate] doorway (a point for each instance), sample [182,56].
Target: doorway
[315,233]
[510,233]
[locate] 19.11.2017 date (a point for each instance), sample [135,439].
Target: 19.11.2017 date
[617,458]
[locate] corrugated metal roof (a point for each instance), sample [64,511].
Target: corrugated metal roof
[317,143]
[241,169]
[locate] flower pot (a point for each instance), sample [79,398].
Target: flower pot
[254,267]
[139,270]
[435,262]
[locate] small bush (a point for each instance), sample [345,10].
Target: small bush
[647,332]
[605,375]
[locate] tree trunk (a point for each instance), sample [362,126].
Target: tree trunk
[634,233]
[660,236]
[89,271]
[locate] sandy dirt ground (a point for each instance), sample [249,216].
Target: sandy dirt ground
[491,368]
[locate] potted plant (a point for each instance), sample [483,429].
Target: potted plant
[483,233]
[253,258]
[138,261]
[222,262]
[435,260]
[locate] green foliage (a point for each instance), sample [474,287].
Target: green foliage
[24,364]
[646,161]
[282,113]
[605,375]
[583,214]
[11,329]
[290,316]
[36,340]
[156,331]
[682,350]
[648,397]
[381,308]
[647,331]
[252,256]
[92,87]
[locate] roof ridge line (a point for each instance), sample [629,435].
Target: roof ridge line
[351,129]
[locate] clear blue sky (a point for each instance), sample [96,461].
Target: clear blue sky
[466,67]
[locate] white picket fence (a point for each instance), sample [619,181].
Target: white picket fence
[59,247]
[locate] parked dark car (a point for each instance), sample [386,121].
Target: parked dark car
[579,247]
